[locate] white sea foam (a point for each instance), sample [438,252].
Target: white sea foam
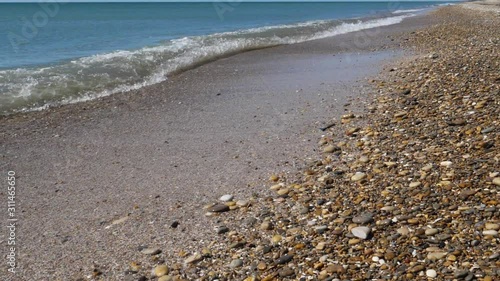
[408,11]
[125,70]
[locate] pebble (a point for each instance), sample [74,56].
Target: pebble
[431,273]
[361,232]
[491,226]
[266,225]
[446,163]
[219,208]
[236,263]
[461,273]
[403,231]
[431,231]
[321,228]
[496,181]
[417,268]
[160,270]
[388,208]
[274,177]
[284,259]
[415,184]
[362,219]
[490,232]
[436,255]
[193,258]
[226,198]
[221,229]
[358,176]
[151,251]
[276,238]
[330,149]
[242,203]
[286,272]
[283,191]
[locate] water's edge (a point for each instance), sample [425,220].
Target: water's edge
[97,76]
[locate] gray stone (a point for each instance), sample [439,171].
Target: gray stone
[219,208]
[363,218]
[361,232]
[236,263]
[226,198]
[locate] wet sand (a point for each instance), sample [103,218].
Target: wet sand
[159,154]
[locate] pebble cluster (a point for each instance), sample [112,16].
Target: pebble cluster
[407,191]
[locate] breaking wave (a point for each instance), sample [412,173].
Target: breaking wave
[87,78]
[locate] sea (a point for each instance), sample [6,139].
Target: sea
[54,53]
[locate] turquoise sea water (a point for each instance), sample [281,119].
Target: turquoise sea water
[57,53]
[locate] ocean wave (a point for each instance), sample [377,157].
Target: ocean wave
[83,79]
[408,11]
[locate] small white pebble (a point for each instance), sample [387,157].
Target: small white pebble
[431,273]
[227,197]
[446,163]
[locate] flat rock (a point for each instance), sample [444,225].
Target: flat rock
[218,208]
[363,218]
[358,176]
[236,263]
[417,268]
[490,232]
[491,226]
[321,229]
[431,231]
[436,255]
[361,232]
[151,251]
[226,198]
[196,257]
[284,259]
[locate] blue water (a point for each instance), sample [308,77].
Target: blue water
[52,54]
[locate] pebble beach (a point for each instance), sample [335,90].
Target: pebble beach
[404,184]
[409,190]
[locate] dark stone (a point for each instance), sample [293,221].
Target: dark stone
[219,208]
[284,259]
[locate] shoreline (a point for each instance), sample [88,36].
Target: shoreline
[149,149]
[126,220]
[104,97]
